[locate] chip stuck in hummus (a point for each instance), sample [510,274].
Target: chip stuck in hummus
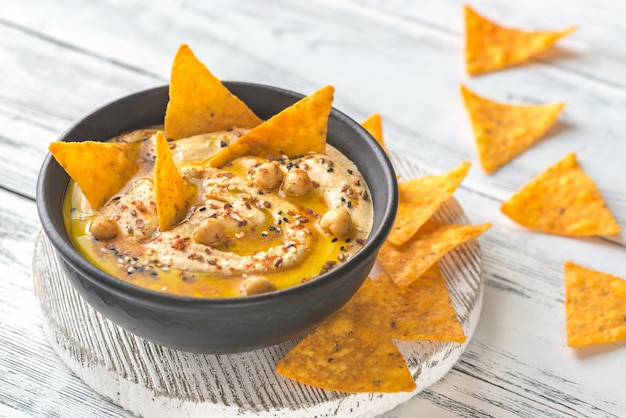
[199,102]
[222,205]
[374,125]
[99,168]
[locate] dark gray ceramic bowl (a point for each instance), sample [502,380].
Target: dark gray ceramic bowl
[217,325]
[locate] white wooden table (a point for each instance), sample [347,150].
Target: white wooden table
[403,59]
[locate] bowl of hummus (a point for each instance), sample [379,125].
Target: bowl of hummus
[268,248]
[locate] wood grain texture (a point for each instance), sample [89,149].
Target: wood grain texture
[33,379]
[60,60]
[425,43]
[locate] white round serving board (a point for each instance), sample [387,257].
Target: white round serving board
[154,381]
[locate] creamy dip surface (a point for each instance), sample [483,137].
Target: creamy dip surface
[256,225]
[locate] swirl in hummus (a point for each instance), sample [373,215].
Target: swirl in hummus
[256,225]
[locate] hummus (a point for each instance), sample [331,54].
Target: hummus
[256,224]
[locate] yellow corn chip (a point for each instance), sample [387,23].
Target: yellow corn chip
[407,262]
[100,169]
[374,125]
[595,306]
[350,352]
[490,47]
[422,310]
[199,102]
[504,131]
[421,197]
[173,194]
[299,129]
[562,200]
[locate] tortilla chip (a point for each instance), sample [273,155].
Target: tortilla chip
[421,197]
[350,352]
[490,47]
[421,311]
[595,306]
[100,169]
[562,200]
[374,125]
[199,102]
[297,130]
[504,131]
[406,263]
[173,194]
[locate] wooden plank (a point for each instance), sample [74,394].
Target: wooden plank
[33,379]
[518,362]
[50,87]
[521,277]
[402,59]
[414,85]
[523,284]
[590,52]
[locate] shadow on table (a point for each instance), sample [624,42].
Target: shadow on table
[595,350]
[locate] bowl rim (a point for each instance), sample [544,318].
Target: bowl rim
[99,278]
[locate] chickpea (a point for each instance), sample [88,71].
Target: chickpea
[337,222]
[103,229]
[210,232]
[257,285]
[297,183]
[268,175]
